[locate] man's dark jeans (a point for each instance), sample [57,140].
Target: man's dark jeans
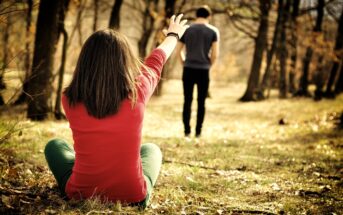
[191,77]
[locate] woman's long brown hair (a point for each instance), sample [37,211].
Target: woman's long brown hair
[105,74]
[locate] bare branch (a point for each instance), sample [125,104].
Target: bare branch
[181,6]
[134,7]
[309,9]
[243,30]
[332,14]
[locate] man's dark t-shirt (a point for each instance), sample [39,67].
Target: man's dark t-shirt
[198,39]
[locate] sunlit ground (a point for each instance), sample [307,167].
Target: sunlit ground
[245,162]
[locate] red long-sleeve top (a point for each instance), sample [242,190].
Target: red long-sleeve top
[107,151]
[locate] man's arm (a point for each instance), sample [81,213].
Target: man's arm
[179,52]
[214,52]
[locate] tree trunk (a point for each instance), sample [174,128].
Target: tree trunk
[5,58]
[58,111]
[147,31]
[2,101]
[338,47]
[320,16]
[339,83]
[96,12]
[61,29]
[23,95]
[283,52]
[79,28]
[169,10]
[40,88]
[78,23]
[115,15]
[5,49]
[148,25]
[303,88]
[294,45]
[270,54]
[260,45]
[318,93]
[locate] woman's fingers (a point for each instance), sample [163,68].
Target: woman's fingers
[183,22]
[177,25]
[172,19]
[178,18]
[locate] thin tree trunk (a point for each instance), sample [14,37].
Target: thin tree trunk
[148,28]
[115,15]
[5,49]
[148,24]
[79,29]
[40,88]
[303,88]
[260,45]
[318,93]
[338,47]
[339,83]
[270,54]
[96,12]
[78,24]
[169,10]
[2,101]
[5,58]
[320,16]
[58,111]
[23,95]
[330,84]
[294,45]
[283,53]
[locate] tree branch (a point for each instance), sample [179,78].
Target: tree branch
[309,9]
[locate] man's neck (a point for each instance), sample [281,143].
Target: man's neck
[201,20]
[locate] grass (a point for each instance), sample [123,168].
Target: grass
[244,163]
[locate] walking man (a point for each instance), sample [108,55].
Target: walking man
[201,42]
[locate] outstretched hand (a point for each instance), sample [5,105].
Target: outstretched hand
[177,25]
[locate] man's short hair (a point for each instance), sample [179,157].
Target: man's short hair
[204,11]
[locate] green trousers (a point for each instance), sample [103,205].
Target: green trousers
[60,157]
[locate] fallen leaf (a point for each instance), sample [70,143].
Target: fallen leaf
[219,211]
[188,178]
[276,187]
[28,172]
[154,206]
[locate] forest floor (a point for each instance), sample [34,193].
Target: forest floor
[269,157]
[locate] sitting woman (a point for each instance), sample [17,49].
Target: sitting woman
[104,105]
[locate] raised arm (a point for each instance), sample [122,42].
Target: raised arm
[149,78]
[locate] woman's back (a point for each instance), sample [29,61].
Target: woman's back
[107,158]
[107,150]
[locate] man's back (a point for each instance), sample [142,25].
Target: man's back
[198,40]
